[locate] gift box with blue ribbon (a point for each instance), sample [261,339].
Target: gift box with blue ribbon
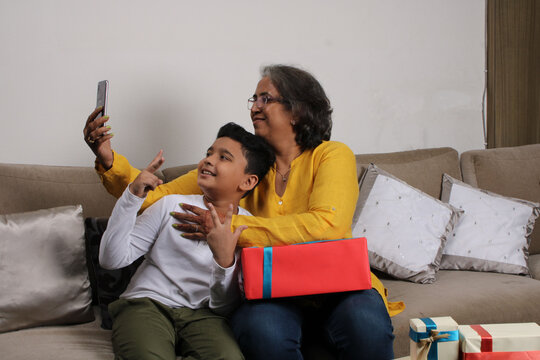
[316,267]
[434,338]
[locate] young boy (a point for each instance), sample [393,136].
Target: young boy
[180,294]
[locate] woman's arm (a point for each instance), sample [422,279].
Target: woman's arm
[330,204]
[122,173]
[322,201]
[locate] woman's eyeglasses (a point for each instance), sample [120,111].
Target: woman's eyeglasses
[261,101]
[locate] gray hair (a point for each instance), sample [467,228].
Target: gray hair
[304,96]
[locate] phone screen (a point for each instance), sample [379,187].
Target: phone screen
[102,92]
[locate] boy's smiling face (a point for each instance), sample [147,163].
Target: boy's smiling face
[221,174]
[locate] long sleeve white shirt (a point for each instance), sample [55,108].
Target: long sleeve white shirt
[177,272]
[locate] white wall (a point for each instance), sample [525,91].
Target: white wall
[401,74]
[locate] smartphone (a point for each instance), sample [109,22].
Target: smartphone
[102,94]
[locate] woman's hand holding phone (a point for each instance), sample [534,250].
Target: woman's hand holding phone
[98,137]
[96,134]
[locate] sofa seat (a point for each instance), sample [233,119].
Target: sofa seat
[470,297]
[82,341]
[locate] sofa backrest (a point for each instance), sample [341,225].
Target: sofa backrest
[172,173]
[513,172]
[422,169]
[32,187]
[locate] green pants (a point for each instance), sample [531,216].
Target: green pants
[146,329]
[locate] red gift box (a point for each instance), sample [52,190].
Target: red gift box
[500,342]
[305,269]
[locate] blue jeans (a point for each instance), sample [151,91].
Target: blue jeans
[356,325]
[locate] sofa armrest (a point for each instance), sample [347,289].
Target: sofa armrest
[534,266]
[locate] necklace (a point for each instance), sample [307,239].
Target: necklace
[285,176]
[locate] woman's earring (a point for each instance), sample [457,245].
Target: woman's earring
[293,122]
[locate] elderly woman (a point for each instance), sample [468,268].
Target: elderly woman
[309,194]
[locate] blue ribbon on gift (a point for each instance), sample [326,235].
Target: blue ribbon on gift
[416,336]
[267,273]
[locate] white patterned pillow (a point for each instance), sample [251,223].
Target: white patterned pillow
[405,228]
[494,232]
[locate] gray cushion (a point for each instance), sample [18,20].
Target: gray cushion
[405,228]
[43,274]
[493,233]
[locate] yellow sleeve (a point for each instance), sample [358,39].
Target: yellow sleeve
[121,174]
[324,212]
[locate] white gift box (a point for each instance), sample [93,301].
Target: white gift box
[434,338]
[500,341]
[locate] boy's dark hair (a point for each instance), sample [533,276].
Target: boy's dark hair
[259,155]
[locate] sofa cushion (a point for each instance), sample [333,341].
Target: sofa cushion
[43,274]
[513,172]
[405,228]
[493,233]
[107,285]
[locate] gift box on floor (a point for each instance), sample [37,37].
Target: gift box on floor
[500,341]
[305,269]
[434,338]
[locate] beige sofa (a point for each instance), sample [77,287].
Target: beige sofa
[469,297]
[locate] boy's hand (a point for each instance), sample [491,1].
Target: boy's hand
[221,240]
[146,180]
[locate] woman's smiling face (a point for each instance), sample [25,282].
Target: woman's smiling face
[271,121]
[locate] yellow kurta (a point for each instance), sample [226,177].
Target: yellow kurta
[318,203]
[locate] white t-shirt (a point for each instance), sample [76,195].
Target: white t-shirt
[177,272]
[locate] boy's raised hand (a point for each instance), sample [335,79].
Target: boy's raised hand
[221,240]
[146,180]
